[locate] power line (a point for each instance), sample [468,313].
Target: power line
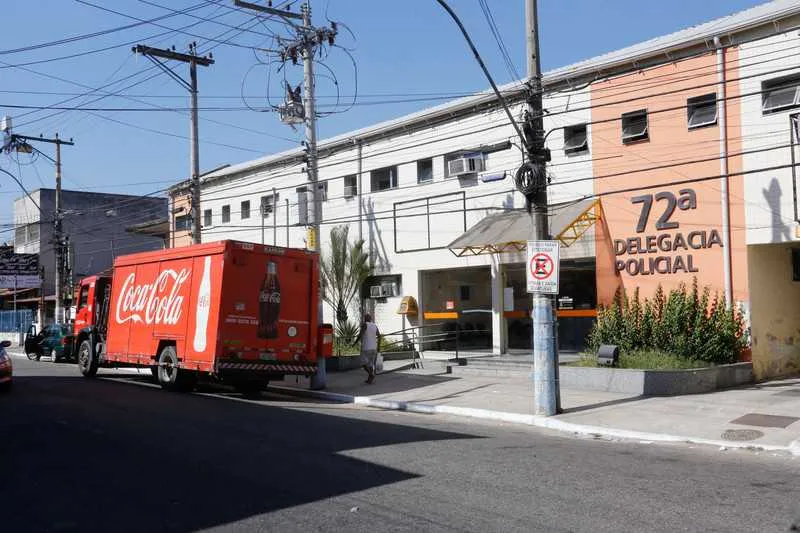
[487,13]
[107,31]
[370,216]
[195,35]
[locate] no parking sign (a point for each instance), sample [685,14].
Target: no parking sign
[542,266]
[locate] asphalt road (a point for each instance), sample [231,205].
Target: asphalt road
[116,455]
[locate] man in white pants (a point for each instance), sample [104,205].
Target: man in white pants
[370,338]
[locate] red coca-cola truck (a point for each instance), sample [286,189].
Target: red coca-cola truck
[236,312]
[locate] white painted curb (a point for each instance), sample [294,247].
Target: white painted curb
[532,420]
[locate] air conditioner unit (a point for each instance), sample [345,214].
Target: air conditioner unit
[377,291]
[350,191]
[465,164]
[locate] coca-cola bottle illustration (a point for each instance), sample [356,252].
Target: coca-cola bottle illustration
[203,308]
[269,303]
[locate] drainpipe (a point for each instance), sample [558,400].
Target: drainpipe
[723,181]
[360,215]
[358,185]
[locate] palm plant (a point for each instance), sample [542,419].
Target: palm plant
[345,268]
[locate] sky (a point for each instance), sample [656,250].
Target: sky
[398,56]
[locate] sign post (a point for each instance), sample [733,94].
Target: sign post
[542,277]
[543,266]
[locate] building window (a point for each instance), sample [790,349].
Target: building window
[268,203]
[350,186]
[244,211]
[634,126]
[207,218]
[701,110]
[183,223]
[465,293]
[26,234]
[302,206]
[226,213]
[575,139]
[383,179]
[20,236]
[783,93]
[425,171]
[322,187]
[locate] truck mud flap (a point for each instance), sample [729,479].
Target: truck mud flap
[269,368]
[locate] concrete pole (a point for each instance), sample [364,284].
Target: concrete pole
[57,236]
[195,154]
[544,357]
[315,213]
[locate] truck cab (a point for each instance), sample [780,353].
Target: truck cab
[89,298]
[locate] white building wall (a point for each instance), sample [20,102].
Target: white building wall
[769,194]
[390,229]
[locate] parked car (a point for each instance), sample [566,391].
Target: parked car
[52,341]
[5,367]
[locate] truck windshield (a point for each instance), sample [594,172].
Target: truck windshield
[84,298]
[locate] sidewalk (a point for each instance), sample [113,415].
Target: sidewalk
[771,409]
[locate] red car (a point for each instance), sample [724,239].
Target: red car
[5,367]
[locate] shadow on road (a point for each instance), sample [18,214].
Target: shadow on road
[93,455]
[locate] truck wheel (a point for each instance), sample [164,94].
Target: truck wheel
[170,376]
[87,360]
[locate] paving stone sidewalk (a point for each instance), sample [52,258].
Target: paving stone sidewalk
[765,415]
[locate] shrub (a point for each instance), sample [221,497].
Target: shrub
[683,324]
[346,336]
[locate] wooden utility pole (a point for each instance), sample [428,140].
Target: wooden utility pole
[154,55]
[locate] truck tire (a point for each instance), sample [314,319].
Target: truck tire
[87,360]
[170,376]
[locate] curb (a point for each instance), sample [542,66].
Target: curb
[531,420]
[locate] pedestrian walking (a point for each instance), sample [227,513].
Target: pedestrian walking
[370,340]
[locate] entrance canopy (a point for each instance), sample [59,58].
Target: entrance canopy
[510,231]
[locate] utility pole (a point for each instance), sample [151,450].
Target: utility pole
[531,179]
[154,55]
[305,44]
[21,144]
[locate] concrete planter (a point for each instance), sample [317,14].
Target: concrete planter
[656,382]
[343,363]
[399,356]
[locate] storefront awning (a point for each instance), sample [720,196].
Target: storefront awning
[510,231]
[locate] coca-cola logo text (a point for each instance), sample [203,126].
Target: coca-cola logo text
[270,297]
[152,303]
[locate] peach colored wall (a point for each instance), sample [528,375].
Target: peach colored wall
[180,238]
[670,143]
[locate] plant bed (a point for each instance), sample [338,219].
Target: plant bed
[650,382]
[645,360]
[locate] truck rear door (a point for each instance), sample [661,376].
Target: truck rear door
[266,307]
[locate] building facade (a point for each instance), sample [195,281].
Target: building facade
[672,160]
[95,224]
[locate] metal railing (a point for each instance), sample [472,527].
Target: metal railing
[15,321]
[445,335]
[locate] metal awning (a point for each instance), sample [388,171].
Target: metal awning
[158,228]
[510,231]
